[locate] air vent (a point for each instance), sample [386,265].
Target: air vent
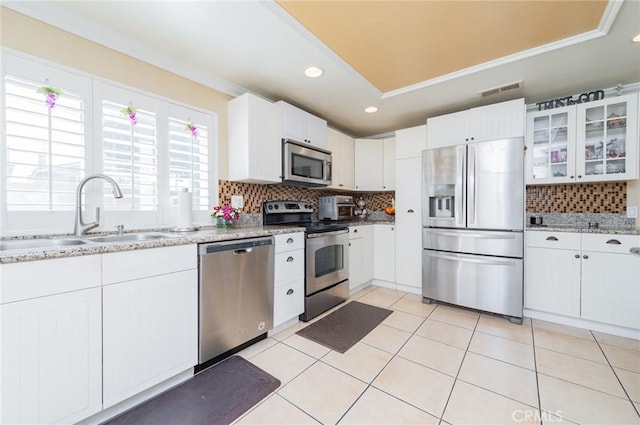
[501,89]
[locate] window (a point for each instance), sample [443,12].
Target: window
[46,151]
[129,155]
[45,148]
[189,156]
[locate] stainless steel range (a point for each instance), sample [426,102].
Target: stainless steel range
[326,254]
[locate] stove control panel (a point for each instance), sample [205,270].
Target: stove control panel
[284,207]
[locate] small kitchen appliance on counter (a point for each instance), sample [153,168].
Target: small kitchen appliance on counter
[326,282]
[473,220]
[336,207]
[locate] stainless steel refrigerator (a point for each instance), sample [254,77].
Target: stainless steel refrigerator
[473,219]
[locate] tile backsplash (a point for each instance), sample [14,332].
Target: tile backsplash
[255,194]
[596,198]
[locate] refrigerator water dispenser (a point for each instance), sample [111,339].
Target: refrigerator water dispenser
[441,206]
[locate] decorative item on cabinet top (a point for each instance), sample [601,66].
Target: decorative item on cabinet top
[255,194]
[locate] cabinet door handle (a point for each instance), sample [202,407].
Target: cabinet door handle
[289,259]
[577,255]
[586,257]
[290,240]
[410,211]
[552,238]
[614,242]
[290,291]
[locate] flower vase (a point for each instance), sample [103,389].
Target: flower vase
[222,223]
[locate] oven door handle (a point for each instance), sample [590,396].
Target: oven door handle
[321,234]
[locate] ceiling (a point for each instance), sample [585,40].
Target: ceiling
[411,59]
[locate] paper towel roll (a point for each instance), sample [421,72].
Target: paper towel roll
[184,209]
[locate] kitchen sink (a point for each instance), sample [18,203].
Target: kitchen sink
[39,243]
[131,237]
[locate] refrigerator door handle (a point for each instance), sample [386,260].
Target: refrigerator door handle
[472,235]
[471,187]
[460,192]
[492,262]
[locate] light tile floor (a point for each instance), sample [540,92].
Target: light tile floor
[436,364]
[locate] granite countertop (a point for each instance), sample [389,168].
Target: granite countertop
[200,236]
[369,221]
[583,229]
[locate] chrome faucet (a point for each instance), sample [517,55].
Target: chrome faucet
[80,227]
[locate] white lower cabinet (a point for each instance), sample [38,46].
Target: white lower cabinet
[384,253]
[589,276]
[553,280]
[611,288]
[50,345]
[288,294]
[150,323]
[361,239]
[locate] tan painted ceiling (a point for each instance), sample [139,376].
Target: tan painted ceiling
[395,44]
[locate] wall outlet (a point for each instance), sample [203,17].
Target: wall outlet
[237,201]
[632,211]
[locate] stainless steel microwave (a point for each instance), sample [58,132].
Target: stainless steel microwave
[305,165]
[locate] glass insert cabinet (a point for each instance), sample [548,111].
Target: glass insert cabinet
[594,141]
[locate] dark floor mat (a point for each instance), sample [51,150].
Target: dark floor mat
[344,327]
[218,395]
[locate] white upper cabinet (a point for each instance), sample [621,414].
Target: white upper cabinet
[254,148]
[342,156]
[410,142]
[375,164]
[498,121]
[586,142]
[607,139]
[551,145]
[302,126]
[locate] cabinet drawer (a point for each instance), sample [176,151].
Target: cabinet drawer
[130,265]
[289,266]
[289,242]
[288,302]
[619,244]
[33,279]
[558,240]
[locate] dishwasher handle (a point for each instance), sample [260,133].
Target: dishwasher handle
[238,246]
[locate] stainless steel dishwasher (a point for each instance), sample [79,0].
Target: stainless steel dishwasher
[235,293]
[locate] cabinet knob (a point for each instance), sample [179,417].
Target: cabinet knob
[355,230]
[577,255]
[410,211]
[614,242]
[290,240]
[290,291]
[384,187]
[340,184]
[392,229]
[579,176]
[289,259]
[586,257]
[473,138]
[552,238]
[571,177]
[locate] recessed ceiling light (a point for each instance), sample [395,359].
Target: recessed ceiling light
[636,39]
[313,72]
[371,109]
